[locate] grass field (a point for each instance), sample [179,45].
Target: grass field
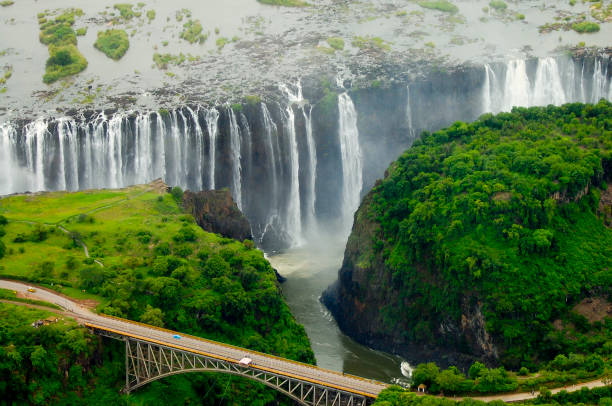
[119,227]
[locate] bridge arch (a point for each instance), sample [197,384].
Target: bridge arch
[147,362]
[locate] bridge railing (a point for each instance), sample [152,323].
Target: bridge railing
[314,367]
[234,361]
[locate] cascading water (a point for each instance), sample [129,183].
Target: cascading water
[555,81]
[294,216]
[212,119]
[235,151]
[352,176]
[547,88]
[312,161]
[266,154]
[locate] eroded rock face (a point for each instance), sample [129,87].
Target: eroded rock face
[361,298]
[215,211]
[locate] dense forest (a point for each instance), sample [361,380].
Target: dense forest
[492,238]
[148,262]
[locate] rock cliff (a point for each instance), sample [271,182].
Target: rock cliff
[215,211]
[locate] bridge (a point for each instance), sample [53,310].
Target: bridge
[153,353]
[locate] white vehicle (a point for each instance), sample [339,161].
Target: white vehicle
[245,362]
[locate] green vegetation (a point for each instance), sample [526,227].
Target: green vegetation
[286,3]
[64,61]
[81,31]
[59,363]
[396,396]
[6,3]
[182,13]
[158,267]
[252,99]
[336,43]
[221,42]
[561,371]
[64,57]
[371,43]
[163,60]
[6,294]
[114,43]
[126,11]
[440,5]
[151,15]
[585,26]
[498,5]
[192,32]
[501,214]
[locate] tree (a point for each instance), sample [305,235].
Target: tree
[425,374]
[153,316]
[450,380]
[177,193]
[2,249]
[476,369]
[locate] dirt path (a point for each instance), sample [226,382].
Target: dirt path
[521,396]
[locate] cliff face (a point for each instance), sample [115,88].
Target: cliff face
[459,253]
[365,295]
[215,211]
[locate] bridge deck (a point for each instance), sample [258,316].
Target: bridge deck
[196,345]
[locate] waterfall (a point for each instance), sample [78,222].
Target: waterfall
[516,89]
[236,169]
[555,81]
[312,161]
[212,119]
[266,154]
[351,157]
[160,148]
[271,132]
[7,154]
[547,88]
[409,121]
[294,216]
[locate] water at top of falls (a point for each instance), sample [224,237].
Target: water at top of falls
[352,176]
[236,168]
[212,119]
[294,215]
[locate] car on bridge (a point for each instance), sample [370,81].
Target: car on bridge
[245,362]
[31,289]
[176,336]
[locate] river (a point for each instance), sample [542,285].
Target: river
[310,269]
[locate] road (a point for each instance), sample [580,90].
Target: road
[283,366]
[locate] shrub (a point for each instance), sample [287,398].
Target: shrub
[63,61]
[498,5]
[162,249]
[585,26]
[125,10]
[177,193]
[2,249]
[114,43]
[192,32]
[3,220]
[440,5]
[336,42]
[286,3]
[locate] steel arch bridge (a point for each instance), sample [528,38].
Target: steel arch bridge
[147,361]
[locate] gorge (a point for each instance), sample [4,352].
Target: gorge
[297,162]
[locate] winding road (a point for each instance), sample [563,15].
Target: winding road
[354,384]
